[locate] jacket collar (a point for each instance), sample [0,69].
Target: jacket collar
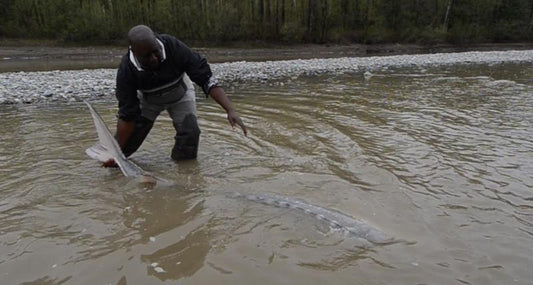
[136,63]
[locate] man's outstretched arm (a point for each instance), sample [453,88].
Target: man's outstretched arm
[217,93]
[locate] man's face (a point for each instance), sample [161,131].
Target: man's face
[148,54]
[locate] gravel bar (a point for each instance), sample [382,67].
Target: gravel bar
[74,85]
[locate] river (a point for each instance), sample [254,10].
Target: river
[440,157]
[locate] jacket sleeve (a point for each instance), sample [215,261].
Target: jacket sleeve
[195,66]
[126,92]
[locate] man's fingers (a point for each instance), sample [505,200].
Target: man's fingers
[243,127]
[109,163]
[231,121]
[236,120]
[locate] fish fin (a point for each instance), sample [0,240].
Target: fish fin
[98,152]
[121,165]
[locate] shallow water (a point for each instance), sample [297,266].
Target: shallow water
[442,158]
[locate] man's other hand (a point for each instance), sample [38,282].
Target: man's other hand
[110,163]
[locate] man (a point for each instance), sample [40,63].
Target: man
[154,76]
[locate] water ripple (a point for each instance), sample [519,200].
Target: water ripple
[438,155]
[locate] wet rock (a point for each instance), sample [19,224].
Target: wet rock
[367,75]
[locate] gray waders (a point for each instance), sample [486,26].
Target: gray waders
[178,98]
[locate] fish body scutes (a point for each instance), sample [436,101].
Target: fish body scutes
[335,219]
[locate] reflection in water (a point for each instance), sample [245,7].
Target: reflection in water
[441,157]
[181,259]
[160,212]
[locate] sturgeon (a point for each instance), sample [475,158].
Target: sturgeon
[107,148]
[335,219]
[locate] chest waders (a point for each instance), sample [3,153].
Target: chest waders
[178,98]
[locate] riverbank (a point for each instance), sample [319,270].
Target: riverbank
[31,56]
[68,85]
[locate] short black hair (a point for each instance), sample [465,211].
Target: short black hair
[140,33]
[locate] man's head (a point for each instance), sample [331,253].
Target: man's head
[145,47]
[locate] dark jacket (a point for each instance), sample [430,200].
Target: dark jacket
[179,59]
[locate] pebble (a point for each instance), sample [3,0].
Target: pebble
[156,267]
[367,75]
[74,85]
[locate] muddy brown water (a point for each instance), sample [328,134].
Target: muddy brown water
[442,158]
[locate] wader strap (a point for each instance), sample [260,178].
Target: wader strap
[166,94]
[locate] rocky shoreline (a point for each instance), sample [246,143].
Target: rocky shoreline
[73,85]
[34,56]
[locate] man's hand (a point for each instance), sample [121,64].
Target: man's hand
[110,163]
[217,93]
[234,119]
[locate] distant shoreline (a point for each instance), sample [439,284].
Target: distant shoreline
[75,85]
[44,56]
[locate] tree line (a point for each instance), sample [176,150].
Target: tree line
[289,21]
